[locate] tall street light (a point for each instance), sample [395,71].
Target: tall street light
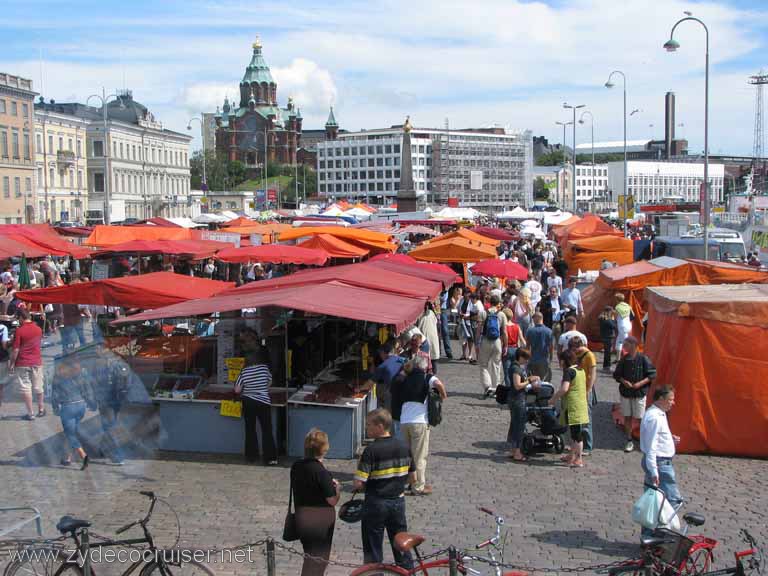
[610,84]
[564,125]
[107,176]
[573,176]
[202,134]
[592,130]
[672,45]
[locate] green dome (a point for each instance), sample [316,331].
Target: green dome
[257,70]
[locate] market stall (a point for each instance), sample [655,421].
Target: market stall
[588,253]
[320,341]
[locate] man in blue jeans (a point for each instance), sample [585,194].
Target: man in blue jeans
[658,446]
[384,469]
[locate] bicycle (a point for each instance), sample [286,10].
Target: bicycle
[151,562]
[406,542]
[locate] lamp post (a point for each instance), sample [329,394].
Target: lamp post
[564,125]
[202,134]
[573,175]
[592,131]
[672,45]
[107,176]
[610,84]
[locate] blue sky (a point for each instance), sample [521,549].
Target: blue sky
[482,63]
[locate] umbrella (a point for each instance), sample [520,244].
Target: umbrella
[500,269]
[24,283]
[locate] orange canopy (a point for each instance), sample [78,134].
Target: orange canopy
[588,253]
[335,247]
[338,231]
[567,222]
[453,250]
[468,235]
[633,279]
[587,227]
[109,235]
[711,344]
[240,221]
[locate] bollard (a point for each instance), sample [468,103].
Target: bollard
[453,562]
[271,557]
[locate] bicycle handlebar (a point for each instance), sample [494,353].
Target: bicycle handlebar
[148,494]
[487,511]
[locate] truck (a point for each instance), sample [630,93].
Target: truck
[95,213]
[682,248]
[758,242]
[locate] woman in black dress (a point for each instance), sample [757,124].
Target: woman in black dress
[316,494]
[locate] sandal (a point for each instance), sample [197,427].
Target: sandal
[577,464]
[518,460]
[566,458]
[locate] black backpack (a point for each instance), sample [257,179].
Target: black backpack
[434,404]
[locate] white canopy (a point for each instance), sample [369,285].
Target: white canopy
[229,215]
[529,224]
[334,211]
[358,213]
[533,231]
[210,218]
[182,221]
[519,213]
[556,217]
[458,213]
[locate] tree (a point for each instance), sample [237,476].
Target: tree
[220,172]
[540,189]
[554,158]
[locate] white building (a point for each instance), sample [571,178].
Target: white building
[487,169]
[591,185]
[61,164]
[147,165]
[650,182]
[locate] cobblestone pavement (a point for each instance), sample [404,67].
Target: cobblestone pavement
[555,516]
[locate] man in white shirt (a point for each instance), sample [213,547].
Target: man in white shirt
[555,281]
[658,445]
[572,297]
[535,287]
[569,327]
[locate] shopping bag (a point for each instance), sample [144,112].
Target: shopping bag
[668,517]
[646,510]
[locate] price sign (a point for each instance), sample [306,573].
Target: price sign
[231,408]
[364,355]
[234,367]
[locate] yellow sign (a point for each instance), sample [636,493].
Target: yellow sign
[626,207]
[234,367]
[289,363]
[364,355]
[383,334]
[231,408]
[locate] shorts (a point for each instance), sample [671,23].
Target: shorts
[577,431]
[3,373]
[30,378]
[634,407]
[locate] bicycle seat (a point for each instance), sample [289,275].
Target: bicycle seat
[405,541]
[69,524]
[655,540]
[693,519]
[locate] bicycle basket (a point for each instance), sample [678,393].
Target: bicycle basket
[676,550]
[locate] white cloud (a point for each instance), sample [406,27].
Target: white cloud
[312,87]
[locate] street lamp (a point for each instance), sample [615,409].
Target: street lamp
[672,45]
[564,125]
[202,134]
[573,175]
[107,176]
[592,130]
[610,84]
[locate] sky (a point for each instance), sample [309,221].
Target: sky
[506,63]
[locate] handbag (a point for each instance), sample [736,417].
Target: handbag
[290,531]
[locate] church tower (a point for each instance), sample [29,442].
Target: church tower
[331,127]
[258,81]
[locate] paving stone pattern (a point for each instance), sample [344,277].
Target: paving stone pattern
[555,516]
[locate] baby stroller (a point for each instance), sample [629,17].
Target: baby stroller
[546,433]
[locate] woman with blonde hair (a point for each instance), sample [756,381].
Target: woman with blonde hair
[523,309]
[315,494]
[624,317]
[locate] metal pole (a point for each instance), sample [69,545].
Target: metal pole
[271,571]
[625,152]
[296,182]
[266,193]
[573,175]
[45,172]
[304,181]
[592,128]
[107,175]
[453,562]
[707,198]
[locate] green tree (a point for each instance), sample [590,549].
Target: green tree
[554,158]
[220,172]
[540,189]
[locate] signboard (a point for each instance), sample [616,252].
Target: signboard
[272,195]
[759,242]
[260,197]
[626,207]
[476,180]
[100,270]
[256,239]
[234,367]
[453,202]
[225,349]
[221,237]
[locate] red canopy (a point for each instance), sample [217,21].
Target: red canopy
[194,249]
[145,291]
[15,247]
[496,233]
[274,253]
[500,269]
[406,265]
[360,275]
[331,298]
[74,231]
[44,237]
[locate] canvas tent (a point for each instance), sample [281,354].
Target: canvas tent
[588,253]
[588,227]
[711,344]
[453,250]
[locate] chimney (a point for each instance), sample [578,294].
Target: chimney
[669,123]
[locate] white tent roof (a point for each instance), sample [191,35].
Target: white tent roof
[209,218]
[531,231]
[183,222]
[358,213]
[556,217]
[334,211]
[229,215]
[529,224]
[458,213]
[519,214]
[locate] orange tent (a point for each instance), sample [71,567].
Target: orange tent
[109,235]
[467,234]
[571,220]
[338,231]
[453,250]
[633,279]
[711,344]
[588,253]
[587,227]
[240,221]
[335,247]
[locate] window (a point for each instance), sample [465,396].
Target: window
[50,144]
[25,110]
[28,186]
[98,182]
[15,144]
[4,144]
[79,148]
[133,151]
[98,148]
[2,106]
[17,187]
[121,149]
[14,108]
[69,145]
[6,186]
[61,179]
[79,179]
[27,153]
[39,142]
[61,143]
[51,181]
[379,149]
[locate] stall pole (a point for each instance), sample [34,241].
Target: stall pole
[286,355]
[271,571]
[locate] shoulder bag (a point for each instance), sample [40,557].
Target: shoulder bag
[290,531]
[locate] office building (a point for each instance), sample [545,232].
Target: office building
[654,182]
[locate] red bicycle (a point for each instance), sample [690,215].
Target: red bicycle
[442,561]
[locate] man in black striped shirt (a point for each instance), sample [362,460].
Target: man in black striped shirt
[253,386]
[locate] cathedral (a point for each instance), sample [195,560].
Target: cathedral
[257,124]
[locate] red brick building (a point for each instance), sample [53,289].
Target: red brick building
[241,131]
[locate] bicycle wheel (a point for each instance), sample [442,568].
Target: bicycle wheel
[71,569]
[192,568]
[34,562]
[697,562]
[379,570]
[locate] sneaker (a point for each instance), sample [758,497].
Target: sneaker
[630,446]
[118,462]
[586,453]
[28,417]
[272,463]
[425,492]
[42,413]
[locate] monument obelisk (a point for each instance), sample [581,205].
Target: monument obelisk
[407,200]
